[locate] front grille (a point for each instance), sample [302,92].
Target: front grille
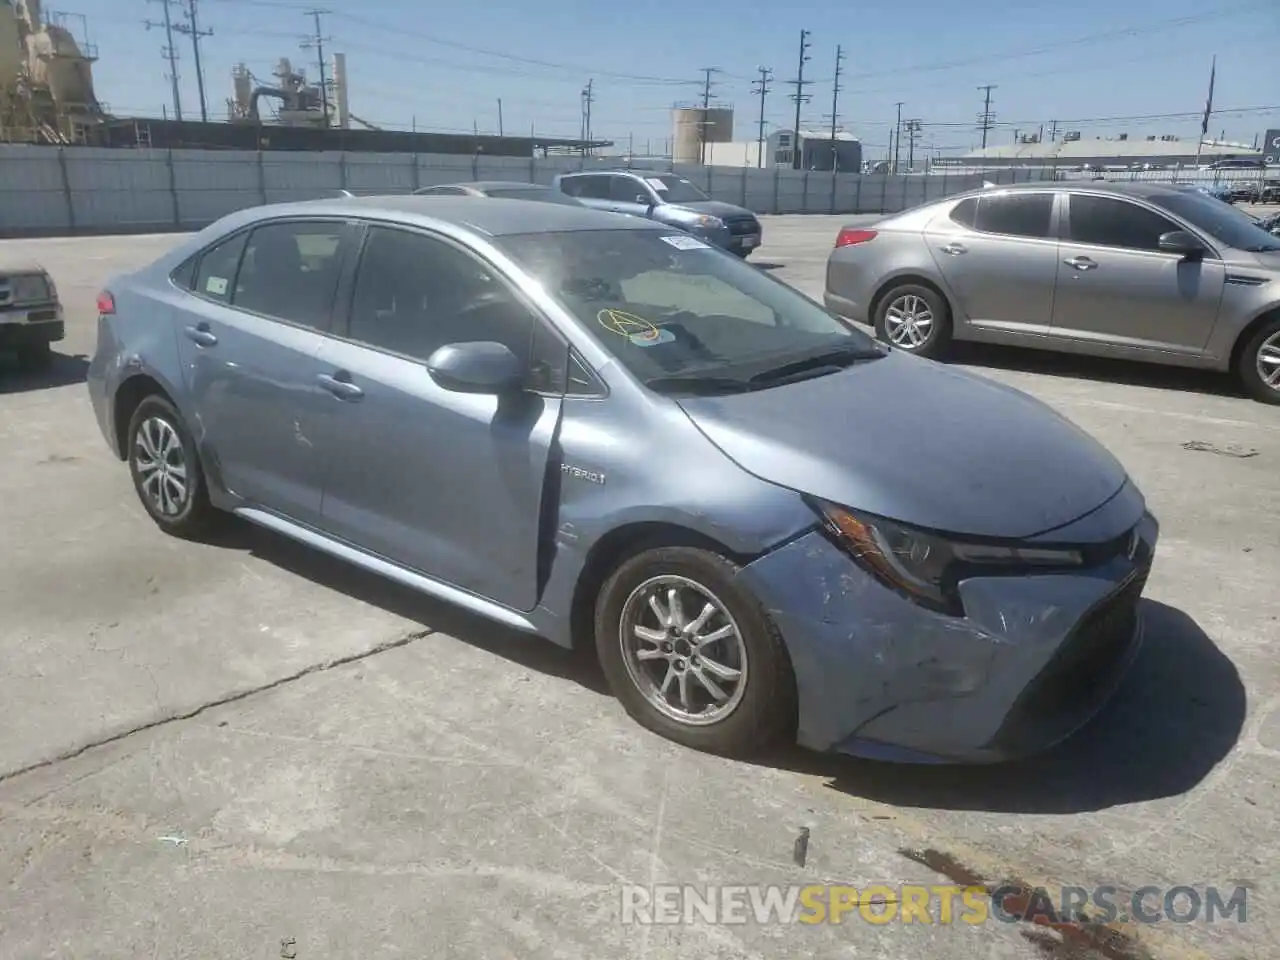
[738,226]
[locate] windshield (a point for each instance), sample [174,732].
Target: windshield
[675,311]
[1221,221]
[673,189]
[533,193]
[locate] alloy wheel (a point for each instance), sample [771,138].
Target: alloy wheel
[1268,361]
[683,650]
[161,464]
[909,322]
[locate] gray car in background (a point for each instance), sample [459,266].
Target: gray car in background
[607,432]
[1139,271]
[670,199]
[499,189]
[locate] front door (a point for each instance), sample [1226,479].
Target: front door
[590,189]
[630,196]
[998,253]
[248,339]
[447,484]
[1116,286]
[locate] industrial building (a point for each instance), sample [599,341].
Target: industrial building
[47,96]
[1119,151]
[706,136]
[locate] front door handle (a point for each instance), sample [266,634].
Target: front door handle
[201,334]
[1080,263]
[340,385]
[955,249]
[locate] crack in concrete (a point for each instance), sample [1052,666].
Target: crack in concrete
[321,667]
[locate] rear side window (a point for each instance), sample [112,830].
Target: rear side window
[290,271]
[1016,214]
[217,274]
[1111,222]
[592,187]
[965,212]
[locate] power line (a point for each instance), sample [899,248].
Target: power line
[169,52]
[760,88]
[986,119]
[192,29]
[708,73]
[800,97]
[317,40]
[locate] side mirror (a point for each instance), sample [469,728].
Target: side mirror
[480,367]
[1181,242]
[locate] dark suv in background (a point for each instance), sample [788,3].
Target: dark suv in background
[666,198]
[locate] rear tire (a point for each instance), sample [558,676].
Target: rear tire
[166,470]
[711,671]
[914,319]
[1259,365]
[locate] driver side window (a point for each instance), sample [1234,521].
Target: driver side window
[414,294]
[627,190]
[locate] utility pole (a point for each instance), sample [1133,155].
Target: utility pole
[986,119]
[835,106]
[192,29]
[760,88]
[500,117]
[1053,130]
[169,52]
[588,98]
[913,131]
[800,97]
[317,40]
[897,138]
[704,126]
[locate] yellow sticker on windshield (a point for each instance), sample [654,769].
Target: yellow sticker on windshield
[636,329]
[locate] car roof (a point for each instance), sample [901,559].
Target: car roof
[1133,188]
[484,215]
[621,172]
[495,185]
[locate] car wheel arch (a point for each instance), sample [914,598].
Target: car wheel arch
[909,278]
[128,396]
[614,548]
[1246,334]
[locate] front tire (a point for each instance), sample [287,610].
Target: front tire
[1259,364]
[692,655]
[166,471]
[915,319]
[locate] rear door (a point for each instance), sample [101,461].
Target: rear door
[1116,286]
[591,189]
[448,484]
[998,252]
[261,305]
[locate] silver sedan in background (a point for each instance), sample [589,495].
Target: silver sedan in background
[1139,271]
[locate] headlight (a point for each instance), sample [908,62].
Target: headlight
[30,288]
[927,566]
[708,223]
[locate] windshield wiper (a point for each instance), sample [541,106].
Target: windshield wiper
[697,384]
[838,358]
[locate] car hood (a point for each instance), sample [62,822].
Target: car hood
[918,442]
[714,208]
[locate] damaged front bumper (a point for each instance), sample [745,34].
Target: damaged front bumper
[1030,662]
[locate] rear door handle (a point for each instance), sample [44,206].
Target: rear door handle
[340,385]
[1080,263]
[201,334]
[955,249]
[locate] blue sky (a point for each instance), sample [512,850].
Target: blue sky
[411,60]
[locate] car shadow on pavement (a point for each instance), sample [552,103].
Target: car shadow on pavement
[767,265]
[1176,715]
[1099,369]
[534,653]
[63,370]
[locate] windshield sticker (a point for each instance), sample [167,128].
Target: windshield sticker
[628,325]
[652,339]
[687,243]
[217,286]
[655,183]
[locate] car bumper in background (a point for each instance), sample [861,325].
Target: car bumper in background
[1033,659]
[844,307]
[21,327]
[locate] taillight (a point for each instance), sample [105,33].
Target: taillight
[848,236]
[106,303]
